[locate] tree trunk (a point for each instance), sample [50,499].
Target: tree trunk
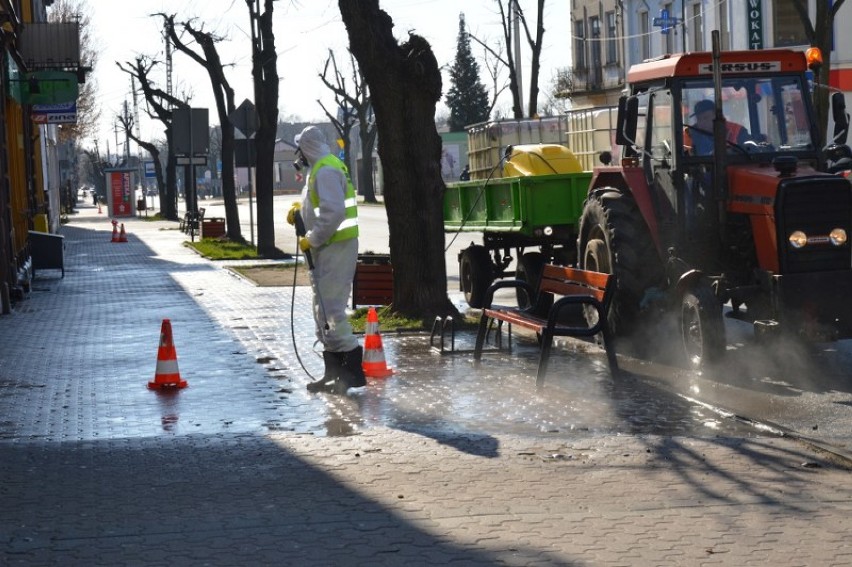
[405,85]
[367,135]
[229,194]
[535,66]
[265,74]
[224,96]
[168,201]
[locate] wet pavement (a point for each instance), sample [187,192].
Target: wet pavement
[98,329]
[443,461]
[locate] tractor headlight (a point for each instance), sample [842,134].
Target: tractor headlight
[837,237]
[798,239]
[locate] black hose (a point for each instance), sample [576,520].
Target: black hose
[478,197]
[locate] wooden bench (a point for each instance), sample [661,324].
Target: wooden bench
[575,287]
[373,284]
[191,222]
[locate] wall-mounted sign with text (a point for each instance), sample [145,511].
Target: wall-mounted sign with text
[61,113]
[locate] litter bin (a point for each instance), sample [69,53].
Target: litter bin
[373,283]
[212,227]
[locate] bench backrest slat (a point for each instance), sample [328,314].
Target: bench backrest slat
[567,288]
[565,273]
[563,280]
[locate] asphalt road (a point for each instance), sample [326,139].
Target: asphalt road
[374,235]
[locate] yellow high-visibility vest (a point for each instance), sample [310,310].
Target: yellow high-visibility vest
[349,227]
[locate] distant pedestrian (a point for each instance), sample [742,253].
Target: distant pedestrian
[94,198]
[465,174]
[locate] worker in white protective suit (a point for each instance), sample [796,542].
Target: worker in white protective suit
[330,213]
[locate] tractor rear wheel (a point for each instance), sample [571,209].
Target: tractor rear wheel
[615,239]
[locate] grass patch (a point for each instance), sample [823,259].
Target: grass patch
[151,218]
[216,249]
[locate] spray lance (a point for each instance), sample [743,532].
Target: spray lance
[300,232]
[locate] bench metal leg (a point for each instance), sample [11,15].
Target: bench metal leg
[544,357]
[480,337]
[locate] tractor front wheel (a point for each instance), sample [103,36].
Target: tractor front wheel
[702,326]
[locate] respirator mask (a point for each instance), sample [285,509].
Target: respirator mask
[300,160]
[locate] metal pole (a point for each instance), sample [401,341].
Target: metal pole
[251,205]
[193,203]
[255,39]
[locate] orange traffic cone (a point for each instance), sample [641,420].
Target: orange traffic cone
[168,375]
[374,354]
[122,236]
[114,231]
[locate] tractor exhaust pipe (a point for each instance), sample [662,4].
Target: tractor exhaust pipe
[720,128]
[720,136]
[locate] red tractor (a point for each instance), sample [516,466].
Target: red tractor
[744,208]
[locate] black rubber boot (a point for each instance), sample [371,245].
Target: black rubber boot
[331,377]
[352,372]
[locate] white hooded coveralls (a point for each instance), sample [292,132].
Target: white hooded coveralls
[334,263]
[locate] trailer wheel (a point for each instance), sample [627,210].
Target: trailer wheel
[615,239]
[529,270]
[475,273]
[702,326]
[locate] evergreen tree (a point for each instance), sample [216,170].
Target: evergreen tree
[467,97]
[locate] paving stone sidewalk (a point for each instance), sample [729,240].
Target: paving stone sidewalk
[245,468]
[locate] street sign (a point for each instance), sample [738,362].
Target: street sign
[665,21]
[244,118]
[149,169]
[244,154]
[190,130]
[45,87]
[195,160]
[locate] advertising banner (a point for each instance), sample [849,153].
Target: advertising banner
[120,194]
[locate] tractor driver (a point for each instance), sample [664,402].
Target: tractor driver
[698,138]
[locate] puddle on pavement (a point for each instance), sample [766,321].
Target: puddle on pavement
[429,393]
[448,393]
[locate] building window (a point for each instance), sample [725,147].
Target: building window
[595,76]
[579,44]
[788,26]
[723,24]
[644,36]
[611,38]
[668,38]
[696,27]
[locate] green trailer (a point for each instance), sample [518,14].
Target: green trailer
[531,219]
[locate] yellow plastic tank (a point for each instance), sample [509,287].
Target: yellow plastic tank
[540,159]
